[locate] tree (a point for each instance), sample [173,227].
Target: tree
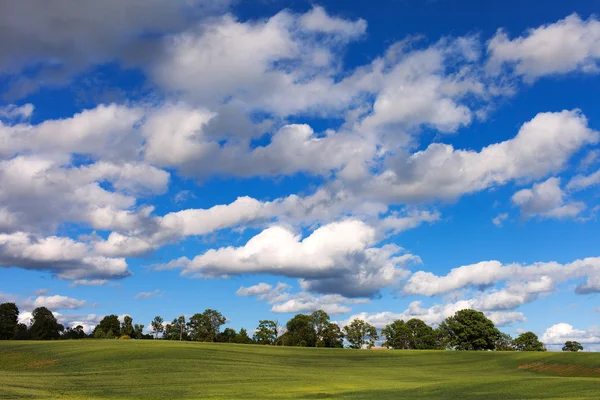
[504,343]
[157,326]
[242,337]
[300,332]
[227,336]
[360,333]
[469,330]
[266,332]
[572,346]
[411,335]
[138,331]
[21,332]
[206,326]
[528,341]
[108,328]
[44,325]
[332,336]
[74,333]
[397,335]
[127,326]
[320,322]
[9,319]
[176,330]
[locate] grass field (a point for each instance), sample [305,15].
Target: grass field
[98,369]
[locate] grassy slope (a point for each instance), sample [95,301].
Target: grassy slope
[147,369]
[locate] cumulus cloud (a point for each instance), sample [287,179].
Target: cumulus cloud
[581,182]
[499,219]
[433,315]
[57,302]
[542,146]
[335,258]
[570,44]
[559,333]
[535,278]
[63,256]
[12,112]
[283,301]
[546,200]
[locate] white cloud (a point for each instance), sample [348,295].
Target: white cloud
[317,20]
[542,146]
[486,273]
[12,111]
[433,315]
[283,301]
[581,182]
[57,302]
[558,334]
[546,200]
[570,44]
[63,256]
[148,295]
[499,219]
[89,282]
[335,258]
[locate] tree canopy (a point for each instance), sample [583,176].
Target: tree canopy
[572,346]
[411,335]
[9,318]
[266,332]
[206,326]
[44,325]
[360,333]
[469,330]
[528,341]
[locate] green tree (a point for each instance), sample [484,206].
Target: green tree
[176,330]
[397,335]
[266,332]
[572,346]
[360,333]
[504,343]
[300,332]
[74,333]
[127,326]
[138,331]
[423,337]
[22,332]
[157,326]
[109,327]
[242,337]
[469,330]
[206,326]
[44,325]
[9,319]
[332,336]
[528,341]
[227,336]
[320,322]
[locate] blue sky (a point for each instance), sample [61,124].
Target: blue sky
[397,160]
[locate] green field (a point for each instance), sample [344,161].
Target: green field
[99,369]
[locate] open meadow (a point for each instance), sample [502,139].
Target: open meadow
[99,369]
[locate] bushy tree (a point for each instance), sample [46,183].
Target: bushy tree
[411,335]
[242,337]
[108,328]
[505,343]
[469,330]
[227,336]
[266,332]
[157,326]
[206,326]
[397,335]
[9,319]
[22,332]
[44,325]
[74,333]
[528,341]
[572,346]
[176,330]
[360,333]
[300,332]
[138,331]
[127,326]
[331,336]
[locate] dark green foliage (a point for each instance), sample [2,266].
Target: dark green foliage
[505,343]
[360,333]
[138,331]
[157,326]
[22,332]
[411,335]
[300,332]
[44,325]
[469,330]
[266,332]
[206,326]
[9,318]
[242,337]
[572,346]
[74,333]
[127,326]
[227,336]
[108,328]
[331,336]
[176,330]
[528,341]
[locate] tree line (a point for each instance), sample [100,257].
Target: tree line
[465,330]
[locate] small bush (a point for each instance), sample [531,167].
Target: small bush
[124,337]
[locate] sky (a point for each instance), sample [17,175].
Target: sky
[381,161]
